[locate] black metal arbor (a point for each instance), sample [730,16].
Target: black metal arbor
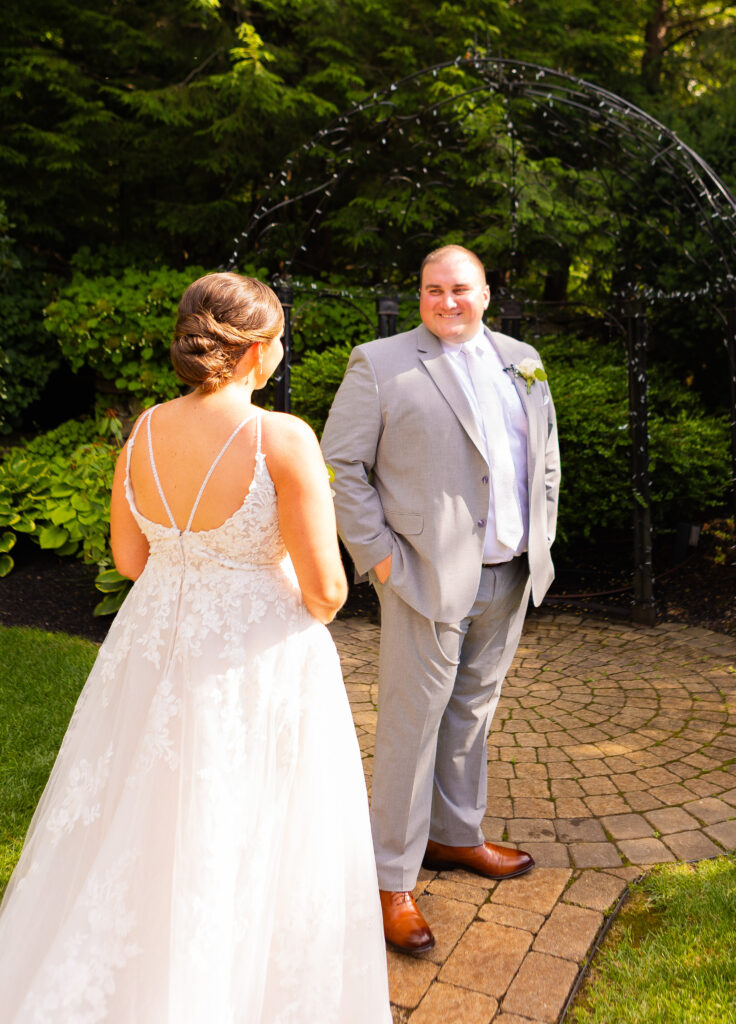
[385,182]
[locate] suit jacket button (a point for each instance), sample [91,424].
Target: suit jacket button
[481,522]
[484,479]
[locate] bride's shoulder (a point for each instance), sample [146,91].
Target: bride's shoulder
[282,427]
[288,441]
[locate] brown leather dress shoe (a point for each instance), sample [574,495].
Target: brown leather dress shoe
[487,859]
[403,924]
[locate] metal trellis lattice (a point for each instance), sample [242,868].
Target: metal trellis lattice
[370,193]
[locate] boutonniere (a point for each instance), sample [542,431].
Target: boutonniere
[330,477]
[530,369]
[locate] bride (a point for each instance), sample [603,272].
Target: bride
[201,853]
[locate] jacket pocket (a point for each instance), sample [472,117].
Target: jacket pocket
[404,523]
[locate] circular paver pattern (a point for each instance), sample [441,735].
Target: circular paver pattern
[613,748]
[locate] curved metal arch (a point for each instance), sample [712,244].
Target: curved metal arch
[541,112]
[619,138]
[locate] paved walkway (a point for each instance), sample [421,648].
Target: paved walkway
[613,748]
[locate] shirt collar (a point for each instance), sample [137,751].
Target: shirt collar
[478,340]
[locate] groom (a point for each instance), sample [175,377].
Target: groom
[444,445]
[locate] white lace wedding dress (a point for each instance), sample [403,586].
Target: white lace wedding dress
[202,852]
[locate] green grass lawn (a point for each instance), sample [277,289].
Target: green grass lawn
[670,957]
[41,675]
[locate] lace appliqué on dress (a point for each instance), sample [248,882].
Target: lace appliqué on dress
[79,803]
[75,989]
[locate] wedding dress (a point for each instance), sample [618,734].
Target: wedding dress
[202,852]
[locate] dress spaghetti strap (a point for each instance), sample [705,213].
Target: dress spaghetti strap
[131,439]
[215,463]
[155,474]
[148,416]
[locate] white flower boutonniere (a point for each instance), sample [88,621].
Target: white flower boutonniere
[530,369]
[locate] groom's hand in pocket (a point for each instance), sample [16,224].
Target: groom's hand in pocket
[382,569]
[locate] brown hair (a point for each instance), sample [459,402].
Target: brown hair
[219,317]
[450,250]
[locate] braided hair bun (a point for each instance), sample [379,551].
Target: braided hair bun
[219,317]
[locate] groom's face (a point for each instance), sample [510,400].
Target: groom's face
[453,298]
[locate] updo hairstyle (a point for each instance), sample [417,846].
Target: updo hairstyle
[219,317]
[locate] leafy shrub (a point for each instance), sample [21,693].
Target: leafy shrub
[325,315]
[56,490]
[65,439]
[321,322]
[592,422]
[121,326]
[115,588]
[721,535]
[26,357]
[688,447]
[314,382]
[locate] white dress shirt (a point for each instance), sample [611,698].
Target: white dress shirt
[517,429]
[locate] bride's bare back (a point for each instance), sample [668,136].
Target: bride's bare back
[186,441]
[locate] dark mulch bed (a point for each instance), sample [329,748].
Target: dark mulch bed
[58,594]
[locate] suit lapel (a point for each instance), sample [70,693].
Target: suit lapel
[438,366]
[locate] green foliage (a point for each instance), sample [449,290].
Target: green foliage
[8,257]
[25,359]
[154,131]
[64,440]
[56,490]
[121,326]
[115,588]
[42,676]
[721,533]
[144,124]
[314,383]
[688,447]
[327,320]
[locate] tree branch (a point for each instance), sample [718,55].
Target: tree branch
[200,67]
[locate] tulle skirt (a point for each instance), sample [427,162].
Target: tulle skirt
[202,852]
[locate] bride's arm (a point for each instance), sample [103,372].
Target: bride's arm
[129,546]
[306,513]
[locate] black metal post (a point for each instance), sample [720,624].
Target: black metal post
[511,318]
[643,608]
[282,377]
[387,308]
[731,352]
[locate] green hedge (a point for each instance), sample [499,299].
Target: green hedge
[688,446]
[121,327]
[56,488]
[56,491]
[314,382]
[27,355]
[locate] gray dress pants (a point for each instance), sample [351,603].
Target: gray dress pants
[438,687]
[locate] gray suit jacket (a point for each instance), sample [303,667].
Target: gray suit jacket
[411,476]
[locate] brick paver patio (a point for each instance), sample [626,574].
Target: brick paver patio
[613,748]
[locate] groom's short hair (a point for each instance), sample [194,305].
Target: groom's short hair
[447,250]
